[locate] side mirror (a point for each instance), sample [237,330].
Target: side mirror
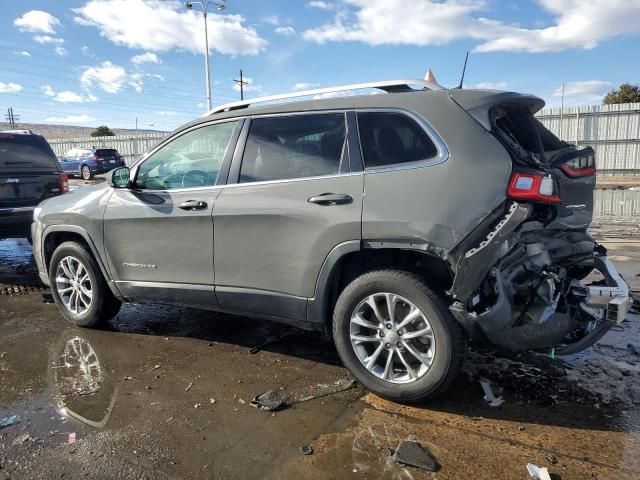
[120,177]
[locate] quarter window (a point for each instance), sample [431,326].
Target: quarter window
[298,146]
[191,160]
[393,138]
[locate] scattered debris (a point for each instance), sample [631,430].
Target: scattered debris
[9,420]
[413,454]
[21,439]
[127,378]
[324,389]
[634,348]
[212,400]
[3,354]
[72,438]
[537,472]
[155,367]
[188,387]
[306,450]
[551,459]
[489,397]
[197,405]
[271,401]
[241,401]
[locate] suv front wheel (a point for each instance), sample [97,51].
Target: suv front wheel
[78,287]
[396,336]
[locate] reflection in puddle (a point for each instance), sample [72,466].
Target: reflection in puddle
[81,388]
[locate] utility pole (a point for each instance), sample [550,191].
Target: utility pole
[11,117]
[242,83]
[204,4]
[562,113]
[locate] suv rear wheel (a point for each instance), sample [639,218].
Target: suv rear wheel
[78,287]
[86,173]
[396,336]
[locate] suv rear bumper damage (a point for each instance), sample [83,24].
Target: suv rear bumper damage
[517,286]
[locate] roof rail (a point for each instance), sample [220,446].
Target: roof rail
[389,86]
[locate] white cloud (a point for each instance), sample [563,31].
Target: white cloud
[82,118]
[37,21]
[576,24]
[321,5]
[110,78]
[61,51]
[166,26]
[86,51]
[148,57]
[305,86]
[285,31]
[586,89]
[167,113]
[23,53]
[250,87]
[45,39]
[272,20]
[501,85]
[67,96]
[10,87]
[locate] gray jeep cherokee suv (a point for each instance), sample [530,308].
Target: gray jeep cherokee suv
[404,225]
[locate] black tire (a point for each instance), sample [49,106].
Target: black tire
[103,306]
[86,173]
[449,338]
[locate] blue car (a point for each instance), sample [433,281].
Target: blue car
[87,162]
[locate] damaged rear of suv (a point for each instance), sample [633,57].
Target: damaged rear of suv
[518,277]
[404,225]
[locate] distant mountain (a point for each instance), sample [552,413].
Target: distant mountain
[69,131]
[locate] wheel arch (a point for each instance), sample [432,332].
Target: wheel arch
[55,235]
[349,260]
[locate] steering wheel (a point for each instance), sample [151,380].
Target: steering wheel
[195,178]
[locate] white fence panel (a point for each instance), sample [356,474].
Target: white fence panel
[128,146]
[612,130]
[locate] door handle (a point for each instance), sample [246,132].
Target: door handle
[193,205]
[327,199]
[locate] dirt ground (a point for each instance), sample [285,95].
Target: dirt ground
[164,392]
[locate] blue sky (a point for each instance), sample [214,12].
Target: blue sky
[90,62]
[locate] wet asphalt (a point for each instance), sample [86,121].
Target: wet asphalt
[165,392]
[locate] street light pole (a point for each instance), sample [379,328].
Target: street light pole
[205,5]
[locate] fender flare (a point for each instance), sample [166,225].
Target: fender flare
[317,306]
[87,238]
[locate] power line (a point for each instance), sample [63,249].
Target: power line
[11,117]
[242,83]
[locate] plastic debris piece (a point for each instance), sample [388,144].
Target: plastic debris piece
[271,401]
[537,472]
[415,455]
[21,439]
[489,397]
[212,400]
[188,387]
[72,438]
[306,450]
[9,420]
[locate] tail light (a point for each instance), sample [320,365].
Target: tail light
[533,187]
[64,183]
[580,166]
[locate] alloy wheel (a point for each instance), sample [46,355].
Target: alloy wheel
[73,284]
[392,338]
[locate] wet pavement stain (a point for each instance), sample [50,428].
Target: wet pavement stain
[164,392]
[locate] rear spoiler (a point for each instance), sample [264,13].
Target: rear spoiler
[477,103]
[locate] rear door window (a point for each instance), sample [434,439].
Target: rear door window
[297,146]
[106,152]
[390,138]
[26,152]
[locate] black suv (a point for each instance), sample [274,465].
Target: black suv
[29,173]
